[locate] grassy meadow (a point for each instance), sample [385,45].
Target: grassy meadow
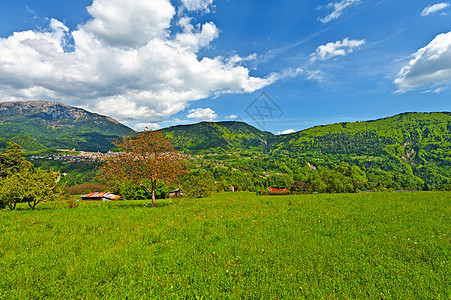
[231,246]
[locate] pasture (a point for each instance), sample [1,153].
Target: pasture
[231,246]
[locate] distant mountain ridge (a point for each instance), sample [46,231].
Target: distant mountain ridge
[403,127]
[41,124]
[208,135]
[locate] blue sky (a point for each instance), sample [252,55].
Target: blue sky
[278,65]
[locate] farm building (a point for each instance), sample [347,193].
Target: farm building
[100,197]
[274,191]
[176,193]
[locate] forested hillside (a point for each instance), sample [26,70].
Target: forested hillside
[219,136]
[410,150]
[412,144]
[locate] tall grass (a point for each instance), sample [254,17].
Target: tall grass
[231,246]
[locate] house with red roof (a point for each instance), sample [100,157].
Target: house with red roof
[106,196]
[274,191]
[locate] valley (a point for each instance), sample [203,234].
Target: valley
[406,151]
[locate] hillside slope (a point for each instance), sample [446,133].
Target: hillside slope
[411,144]
[41,124]
[406,149]
[217,135]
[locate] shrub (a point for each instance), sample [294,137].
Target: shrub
[199,186]
[72,203]
[132,191]
[301,187]
[444,188]
[380,187]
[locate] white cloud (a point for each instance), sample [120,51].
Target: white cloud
[434,8]
[316,75]
[339,48]
[129,23]
[439,90]
[337,9]
[431,64]
[125,62]
[200,5]
[196,38]
[288,131]
[144,126]
[206,114]
[232,117]
[436,90]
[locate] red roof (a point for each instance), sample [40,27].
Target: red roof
[107,195]
[277,190]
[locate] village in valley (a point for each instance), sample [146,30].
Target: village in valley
[73,156]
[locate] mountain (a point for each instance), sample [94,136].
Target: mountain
[413,144]
[217,135]
[408,136]
[37,125]
[409,148]
[430,130]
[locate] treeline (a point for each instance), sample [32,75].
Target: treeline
[253,173]
[72,173]
[252,170]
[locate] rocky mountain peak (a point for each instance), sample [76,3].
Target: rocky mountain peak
[48,111]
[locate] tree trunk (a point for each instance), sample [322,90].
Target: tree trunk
[152,192]
[154,184]
[32,206]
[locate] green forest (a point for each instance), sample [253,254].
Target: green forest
[406,151]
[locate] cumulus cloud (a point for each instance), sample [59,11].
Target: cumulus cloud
[433,8]
[431,64]
[129,23]
[339,48]
[199,5]
[206,114]
[232,117]
[196,38]
[337,9]
[128,61]
[288,131]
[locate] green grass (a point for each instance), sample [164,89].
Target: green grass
[231,246]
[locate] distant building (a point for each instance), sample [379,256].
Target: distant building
[231,188]
[175,193]
[274,191]
[100,197]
